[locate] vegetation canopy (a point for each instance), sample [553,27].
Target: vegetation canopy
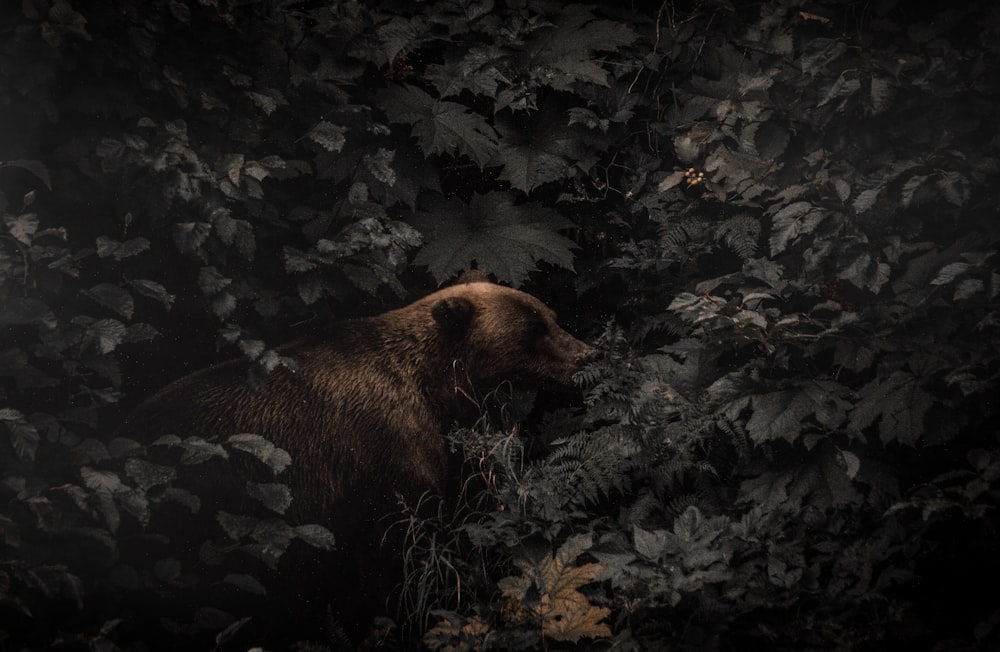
[778,220]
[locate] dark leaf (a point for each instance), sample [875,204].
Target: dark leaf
[275,496]
[501,238]
[114,297]
[23,435]
[277,458]
[316,536]
[153,290]
[25,310]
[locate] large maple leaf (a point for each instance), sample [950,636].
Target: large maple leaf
[440,126]
[564,53]
[564,613]
[502,239]
[552,151]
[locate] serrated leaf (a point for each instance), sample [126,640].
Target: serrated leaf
[146,474]
[196,450]
[897,406]
[910,188]
[223,305]
[670,181]
[562,611]
[106,334]
[267,102]
[236,526]
[272,495]
[398,36]
[549,151]
[22,227]
[475,72]
[778,415]
[316,536]
[24,437]
[98,480]
[140,332]
[189,236]
[563,54]
[881,94]
[501,238]
[276,458]
[328,136]
[153,290]
[792,221]
[843,189]
[842,87]
[114,297]
[968,288]
[851,463]
[211,281]
[651,544]
[131,247]
[440,126]
[230,630]
[950,272]
[19,311]
[955,187]
[866,199]
[819,52]
[866,272]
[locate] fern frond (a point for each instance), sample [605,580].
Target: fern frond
[741,233]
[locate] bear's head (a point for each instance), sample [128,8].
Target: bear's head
[499,334]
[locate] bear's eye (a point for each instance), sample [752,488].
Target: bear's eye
[539,328]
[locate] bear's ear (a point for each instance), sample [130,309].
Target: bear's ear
[472,276]
[453,314]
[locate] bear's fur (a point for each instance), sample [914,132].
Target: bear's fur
[365,414]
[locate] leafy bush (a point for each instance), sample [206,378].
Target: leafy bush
[782,223]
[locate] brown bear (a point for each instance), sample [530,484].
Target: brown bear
[364,416]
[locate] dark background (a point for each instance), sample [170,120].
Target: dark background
[778,220]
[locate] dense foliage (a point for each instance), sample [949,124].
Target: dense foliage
[778,220]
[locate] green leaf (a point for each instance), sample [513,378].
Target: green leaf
[501,238]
